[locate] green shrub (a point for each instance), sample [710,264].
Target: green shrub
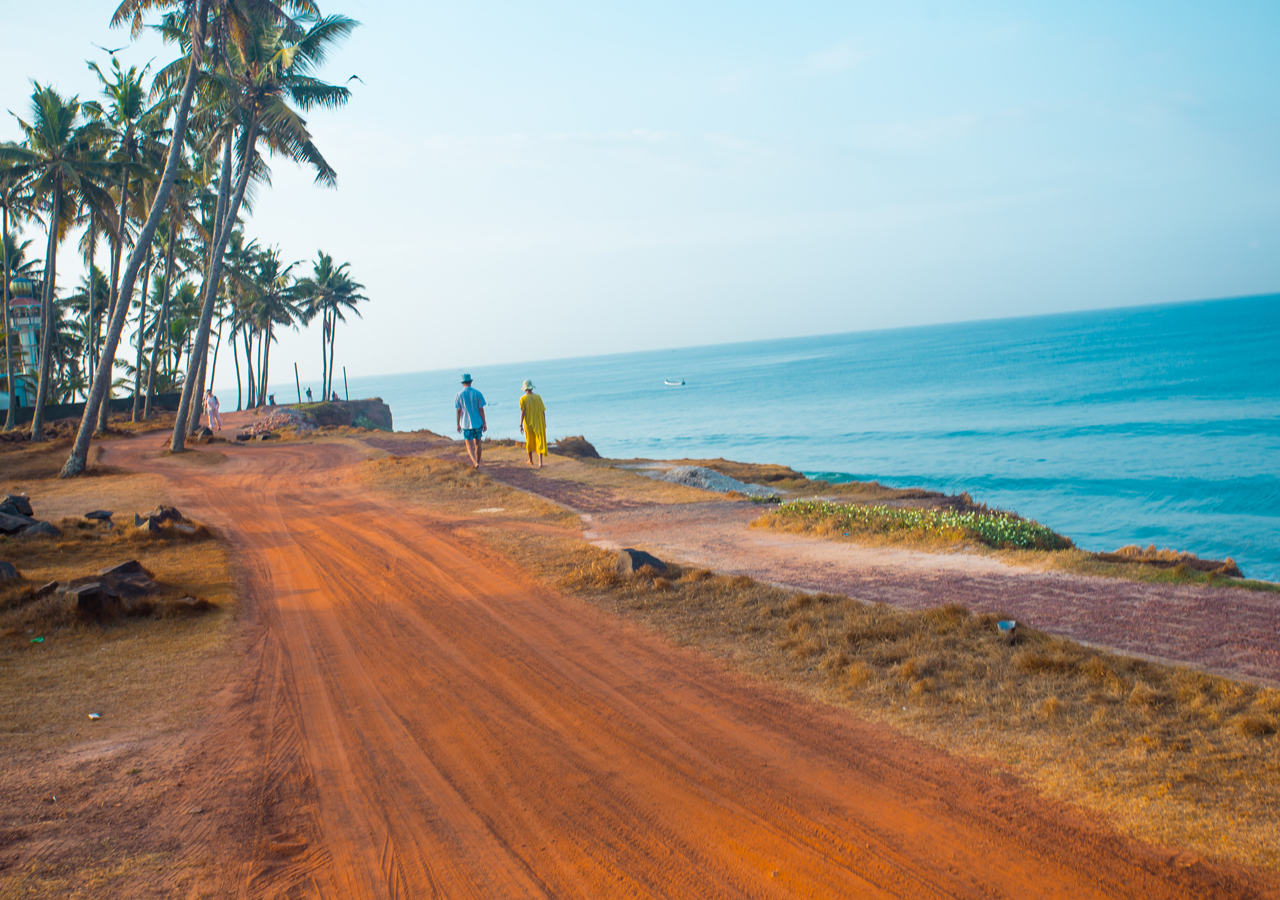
[995,529]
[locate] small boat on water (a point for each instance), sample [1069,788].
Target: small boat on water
[669,383]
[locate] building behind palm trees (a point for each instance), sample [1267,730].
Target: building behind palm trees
[24,312]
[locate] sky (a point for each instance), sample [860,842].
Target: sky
[535,181]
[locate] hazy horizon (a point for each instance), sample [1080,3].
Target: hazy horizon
[280,380]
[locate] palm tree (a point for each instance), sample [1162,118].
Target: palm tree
[16,202]
[89,303]
[180,219]
[327,292]
[192,19]
[136,134]
[61,156]
[272,66]
[277,305]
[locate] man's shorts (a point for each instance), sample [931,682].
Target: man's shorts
[472,434]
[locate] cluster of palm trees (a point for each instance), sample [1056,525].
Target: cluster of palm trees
[264,295]
[162,174]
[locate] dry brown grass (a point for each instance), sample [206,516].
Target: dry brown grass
[601,478]
[1168,754]
[456,488]
[141,668]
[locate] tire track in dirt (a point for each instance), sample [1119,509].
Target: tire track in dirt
[419,719]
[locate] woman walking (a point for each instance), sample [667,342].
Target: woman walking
[533,423]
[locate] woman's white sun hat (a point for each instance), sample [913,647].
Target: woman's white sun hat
[527,386]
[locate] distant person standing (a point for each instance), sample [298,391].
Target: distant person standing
[308,395]
[211,409]
[533,423]
[469,405]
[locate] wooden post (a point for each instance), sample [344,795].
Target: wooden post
[345,389]
[297,382]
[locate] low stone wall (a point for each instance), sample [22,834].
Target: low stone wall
[346,412]
[53,411]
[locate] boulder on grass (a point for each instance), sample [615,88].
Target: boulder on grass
[576,447]
[9,572]
[13,523]
[41,529]
[132,567]
[94,600]
[16,504]
[631,561]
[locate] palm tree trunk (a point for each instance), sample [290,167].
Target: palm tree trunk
[333,337]
[258,391]
[266,367]
[46,314]
[197,395]
[215,273]
[10,417]
[104,409]
[161,316]
[248,367]
[80,451]
[142,340]
[213,367]
[235,355]
[89,329]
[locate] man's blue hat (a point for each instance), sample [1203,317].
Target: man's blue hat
[466,377]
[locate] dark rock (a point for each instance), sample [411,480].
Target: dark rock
[163,514]
[44,590]
[267,436]
[13,523]
[94,600]
[577,447]
[102,515]
[631,561]
[129,585]
[206,432]
[16,504]
[244,437]
[132,567]
[41,529]
[9,572]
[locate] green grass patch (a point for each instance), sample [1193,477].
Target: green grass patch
[990,528]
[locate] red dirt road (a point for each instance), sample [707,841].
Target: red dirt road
[416,718]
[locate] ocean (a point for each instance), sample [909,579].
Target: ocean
[1149,425]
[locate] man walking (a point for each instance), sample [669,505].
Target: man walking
[469,405]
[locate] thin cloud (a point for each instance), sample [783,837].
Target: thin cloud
[833,60]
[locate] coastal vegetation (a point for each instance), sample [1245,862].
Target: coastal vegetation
[161,171]
[991,528]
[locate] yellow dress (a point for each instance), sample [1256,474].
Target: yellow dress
[535,423]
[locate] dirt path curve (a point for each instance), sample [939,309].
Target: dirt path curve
[417,719]
[1230,632]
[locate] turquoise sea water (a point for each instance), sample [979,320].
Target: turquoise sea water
[1144,425]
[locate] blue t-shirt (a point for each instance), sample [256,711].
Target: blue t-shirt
[469,400]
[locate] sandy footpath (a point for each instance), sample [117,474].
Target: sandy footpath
[1226,631]
[413,717]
